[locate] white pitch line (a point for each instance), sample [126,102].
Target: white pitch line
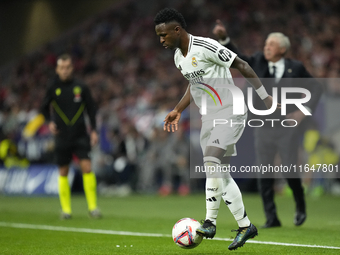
[127,233]
[80,230]
[283,244]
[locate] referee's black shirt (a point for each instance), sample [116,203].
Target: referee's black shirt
[69,100]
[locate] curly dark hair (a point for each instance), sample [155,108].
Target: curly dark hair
[167,15]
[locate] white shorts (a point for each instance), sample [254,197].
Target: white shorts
[224,136]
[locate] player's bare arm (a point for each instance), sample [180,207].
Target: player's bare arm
[248,73]
[172,119]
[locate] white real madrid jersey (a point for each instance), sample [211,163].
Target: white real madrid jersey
[206,67]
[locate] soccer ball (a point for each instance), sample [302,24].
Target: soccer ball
[184,233]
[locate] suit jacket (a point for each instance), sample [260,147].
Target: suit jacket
[295,75]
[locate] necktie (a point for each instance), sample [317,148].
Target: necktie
[274,72]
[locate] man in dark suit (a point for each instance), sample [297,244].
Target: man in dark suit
[277,71]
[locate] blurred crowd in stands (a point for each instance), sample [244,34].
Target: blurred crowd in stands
[135,83]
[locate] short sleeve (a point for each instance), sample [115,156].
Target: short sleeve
[221,56]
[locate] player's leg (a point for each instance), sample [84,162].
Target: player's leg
[64,192]
[213,186]
[221,184]
[82,150]
[90,187]
[221,145]
[212,159]
[221,142]
[232,197]
[63,157]
[213,193]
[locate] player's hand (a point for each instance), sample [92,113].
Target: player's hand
[171,121]
[296,115]
[220,30]
[94,138]
[53,128]
[268,101]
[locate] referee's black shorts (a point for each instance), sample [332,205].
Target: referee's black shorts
[65,148]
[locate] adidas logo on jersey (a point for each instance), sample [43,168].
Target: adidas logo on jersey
[211,199]
[227,202]
[216,141]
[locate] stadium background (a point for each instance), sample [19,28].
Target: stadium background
[134,83]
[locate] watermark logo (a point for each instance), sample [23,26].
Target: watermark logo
[238,100]
[204,99]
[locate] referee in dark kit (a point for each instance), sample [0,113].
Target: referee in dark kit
[70,99]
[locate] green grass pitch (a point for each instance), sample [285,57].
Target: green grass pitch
[154,214]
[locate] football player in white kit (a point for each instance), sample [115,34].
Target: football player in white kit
[204,62]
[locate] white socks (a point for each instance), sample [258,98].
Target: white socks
[213,194]
[213,189]
[217,187]
[232,197]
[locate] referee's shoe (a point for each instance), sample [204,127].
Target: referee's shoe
[243,234]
